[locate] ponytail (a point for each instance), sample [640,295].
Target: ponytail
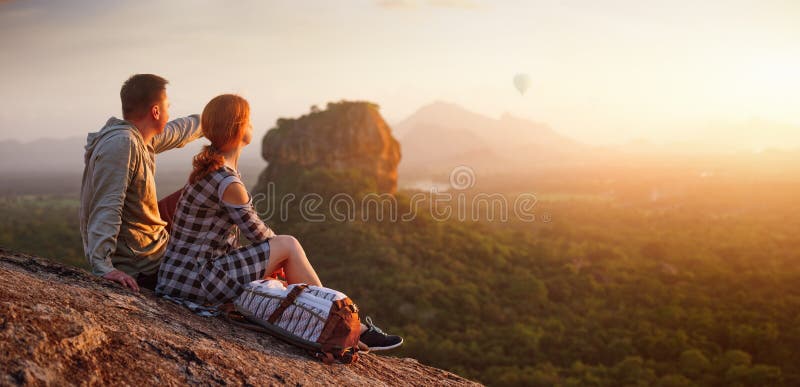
[224,121]
[205,162]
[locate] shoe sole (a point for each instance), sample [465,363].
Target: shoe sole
[375,349]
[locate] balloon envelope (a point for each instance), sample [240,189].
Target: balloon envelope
[522,82]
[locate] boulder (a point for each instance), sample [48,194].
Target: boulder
[345,137]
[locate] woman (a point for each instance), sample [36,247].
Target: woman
[203,262]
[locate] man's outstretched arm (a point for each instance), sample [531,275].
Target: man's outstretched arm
[111,176]
[178,133]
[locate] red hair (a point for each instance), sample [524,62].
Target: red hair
[224,122]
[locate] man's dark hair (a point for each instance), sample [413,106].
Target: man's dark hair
[139,93]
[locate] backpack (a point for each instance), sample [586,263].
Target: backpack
[321,320]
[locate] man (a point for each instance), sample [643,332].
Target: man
[124,236]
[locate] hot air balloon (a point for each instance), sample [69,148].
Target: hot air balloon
[522,82]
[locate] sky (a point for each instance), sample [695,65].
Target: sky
[603,72]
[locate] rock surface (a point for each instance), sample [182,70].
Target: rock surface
[345,136]
[61,325]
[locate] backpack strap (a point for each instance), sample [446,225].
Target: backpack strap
[286,302]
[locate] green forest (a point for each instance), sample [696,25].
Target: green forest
[603,289]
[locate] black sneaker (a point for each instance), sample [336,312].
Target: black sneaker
[376,340]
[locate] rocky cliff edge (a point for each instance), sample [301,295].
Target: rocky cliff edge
[61,325]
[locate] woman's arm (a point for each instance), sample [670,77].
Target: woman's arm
[237,201]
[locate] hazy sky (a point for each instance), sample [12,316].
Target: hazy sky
[603,71]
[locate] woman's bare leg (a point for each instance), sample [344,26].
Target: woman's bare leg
[285,251]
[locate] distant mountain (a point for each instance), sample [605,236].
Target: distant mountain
[426,147]
[441,135]
[44,155]
[444,114]
[54,166]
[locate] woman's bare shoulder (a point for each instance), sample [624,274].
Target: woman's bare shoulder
[236,194]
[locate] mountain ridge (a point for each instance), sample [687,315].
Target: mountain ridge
[442,135]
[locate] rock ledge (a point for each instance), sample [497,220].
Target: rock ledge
[61,325]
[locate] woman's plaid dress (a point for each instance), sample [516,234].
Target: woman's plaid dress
[203,262]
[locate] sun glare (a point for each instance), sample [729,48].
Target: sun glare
[776,76]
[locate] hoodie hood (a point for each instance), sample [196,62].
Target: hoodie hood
[114,126]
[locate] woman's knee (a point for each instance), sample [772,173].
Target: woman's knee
[286,242]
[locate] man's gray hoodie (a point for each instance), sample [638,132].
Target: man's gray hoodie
[119,219]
